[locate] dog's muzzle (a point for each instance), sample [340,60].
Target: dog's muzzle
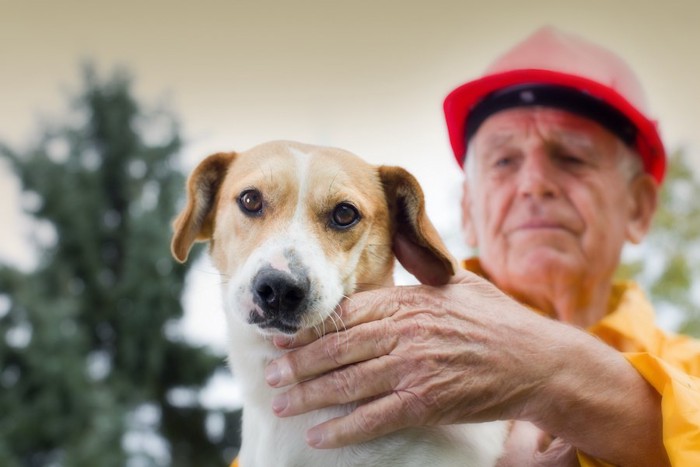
[282,297]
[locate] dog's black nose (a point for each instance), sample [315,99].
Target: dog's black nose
[279,294]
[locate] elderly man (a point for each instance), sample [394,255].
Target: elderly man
[562,167]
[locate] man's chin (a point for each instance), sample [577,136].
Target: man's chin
[541,263]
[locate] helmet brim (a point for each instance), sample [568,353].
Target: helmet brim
[459,103]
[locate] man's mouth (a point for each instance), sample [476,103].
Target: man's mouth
[540,223]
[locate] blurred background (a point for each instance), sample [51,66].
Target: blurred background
[110,353]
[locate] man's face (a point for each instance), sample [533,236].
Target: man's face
[547,196]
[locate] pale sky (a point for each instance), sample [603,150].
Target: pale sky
[365,75]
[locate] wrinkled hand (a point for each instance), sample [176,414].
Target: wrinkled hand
[413,356]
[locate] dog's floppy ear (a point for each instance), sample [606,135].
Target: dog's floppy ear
[417,245]
[196,221]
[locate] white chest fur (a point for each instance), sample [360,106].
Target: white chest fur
[272,441]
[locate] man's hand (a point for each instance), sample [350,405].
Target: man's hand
[465,352]
[416,356]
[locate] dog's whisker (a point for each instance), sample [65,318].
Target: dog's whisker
[318,328]
[333,317]
[209,272]
[376,255]
[350,298]
[336,335]
[330,186]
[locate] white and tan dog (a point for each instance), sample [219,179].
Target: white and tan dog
[294,229]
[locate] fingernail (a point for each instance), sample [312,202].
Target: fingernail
[314,438]
[279,403]
[272,374]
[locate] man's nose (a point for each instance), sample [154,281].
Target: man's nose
[537,177]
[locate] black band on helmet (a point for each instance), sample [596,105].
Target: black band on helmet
[548,95]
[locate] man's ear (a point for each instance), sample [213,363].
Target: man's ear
[644,200]
[196,221]
[417,245]
[467,223]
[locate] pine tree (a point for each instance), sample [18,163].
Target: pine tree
[89,362]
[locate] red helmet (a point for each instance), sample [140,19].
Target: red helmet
[573,74]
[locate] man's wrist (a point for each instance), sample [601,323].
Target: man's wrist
[597,401]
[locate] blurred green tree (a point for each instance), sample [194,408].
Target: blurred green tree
[667,264]
[92,372]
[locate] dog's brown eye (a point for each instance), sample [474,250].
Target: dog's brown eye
[345,215]
[251,202]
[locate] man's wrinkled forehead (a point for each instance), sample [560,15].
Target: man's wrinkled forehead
[565,138]
[518,126]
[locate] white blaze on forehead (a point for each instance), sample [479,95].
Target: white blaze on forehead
[303,161]
[280,262]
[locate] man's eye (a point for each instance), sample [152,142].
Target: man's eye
[251,202]
[571,160]
[503,162]
[344,216]
[502,158]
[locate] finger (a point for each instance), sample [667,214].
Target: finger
[330,352]
[301,338]
[368,421]
[372,305]
[360,308]
[349,384]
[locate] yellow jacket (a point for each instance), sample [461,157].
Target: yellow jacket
[670,363]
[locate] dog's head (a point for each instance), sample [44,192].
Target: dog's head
[295,228]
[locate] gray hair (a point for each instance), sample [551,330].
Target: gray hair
[629,161]
[469,164]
